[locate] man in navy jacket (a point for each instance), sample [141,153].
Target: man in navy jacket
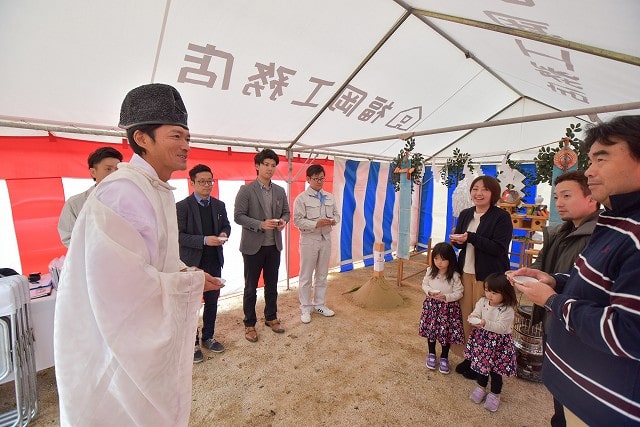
[592,358]
[203,228]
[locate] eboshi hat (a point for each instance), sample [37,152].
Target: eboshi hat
[151,104]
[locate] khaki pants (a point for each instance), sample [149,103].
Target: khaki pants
[572,419]
[473,291]
[314,268]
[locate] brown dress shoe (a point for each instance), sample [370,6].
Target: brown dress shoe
[250,334]
[275,326]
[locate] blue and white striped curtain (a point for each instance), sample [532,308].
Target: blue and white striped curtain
[369,208]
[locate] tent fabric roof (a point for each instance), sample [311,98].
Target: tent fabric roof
[309,76]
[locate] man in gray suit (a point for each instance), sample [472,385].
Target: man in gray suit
[203,228]
[262,210]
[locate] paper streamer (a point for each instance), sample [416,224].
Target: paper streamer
[378,260]
[404,220]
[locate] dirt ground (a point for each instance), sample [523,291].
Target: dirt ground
[360,368]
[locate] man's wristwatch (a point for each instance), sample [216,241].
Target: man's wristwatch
[548,305]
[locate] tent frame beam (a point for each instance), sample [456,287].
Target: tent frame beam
[543,38]
[322,148]
[486,124]
[56,127]
[494,115]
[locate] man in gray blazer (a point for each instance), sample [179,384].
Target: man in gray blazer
[203,228]
[262,210]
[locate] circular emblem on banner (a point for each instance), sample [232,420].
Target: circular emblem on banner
[564,159]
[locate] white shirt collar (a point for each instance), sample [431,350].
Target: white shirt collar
[141,163]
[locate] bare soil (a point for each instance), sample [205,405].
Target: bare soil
[362,367]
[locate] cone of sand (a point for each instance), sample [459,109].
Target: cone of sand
[376,293]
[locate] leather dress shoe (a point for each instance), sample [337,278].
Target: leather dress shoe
[250,334]
[275,326]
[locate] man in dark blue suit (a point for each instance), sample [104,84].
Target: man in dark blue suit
[203,228]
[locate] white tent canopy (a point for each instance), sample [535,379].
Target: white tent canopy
[315,77]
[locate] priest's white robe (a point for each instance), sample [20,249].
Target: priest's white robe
[124,322]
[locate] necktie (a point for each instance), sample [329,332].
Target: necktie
[204,202]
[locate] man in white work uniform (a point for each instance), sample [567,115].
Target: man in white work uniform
[314,213]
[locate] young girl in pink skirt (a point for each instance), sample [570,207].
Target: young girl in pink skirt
[490,347]
[441,318]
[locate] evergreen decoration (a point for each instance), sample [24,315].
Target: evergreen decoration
[453,170]
[417,163]
[544,159]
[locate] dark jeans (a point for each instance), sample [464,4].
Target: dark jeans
[209,314]
[267,262]
[558,420]
[210,311]
[496,382]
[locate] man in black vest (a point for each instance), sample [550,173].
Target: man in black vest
[203,228]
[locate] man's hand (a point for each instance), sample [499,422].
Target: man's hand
[270,224]
[212,283]
[537,292]
[324,222]
[215,240]
[539,275]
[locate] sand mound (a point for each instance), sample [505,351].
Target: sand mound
[377,294]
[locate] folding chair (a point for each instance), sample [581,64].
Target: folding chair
[17,353]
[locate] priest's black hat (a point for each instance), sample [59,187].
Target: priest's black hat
[153,104]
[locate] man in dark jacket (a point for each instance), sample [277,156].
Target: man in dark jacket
[262,209]
[592,357]
[203,228]
[562,243]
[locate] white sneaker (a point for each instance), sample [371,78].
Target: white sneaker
[305,317]
[324,311]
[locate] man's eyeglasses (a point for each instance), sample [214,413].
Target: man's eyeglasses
[318,179]
[204,183]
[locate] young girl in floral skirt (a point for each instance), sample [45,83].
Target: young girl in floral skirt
[490,347]
[441,318]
